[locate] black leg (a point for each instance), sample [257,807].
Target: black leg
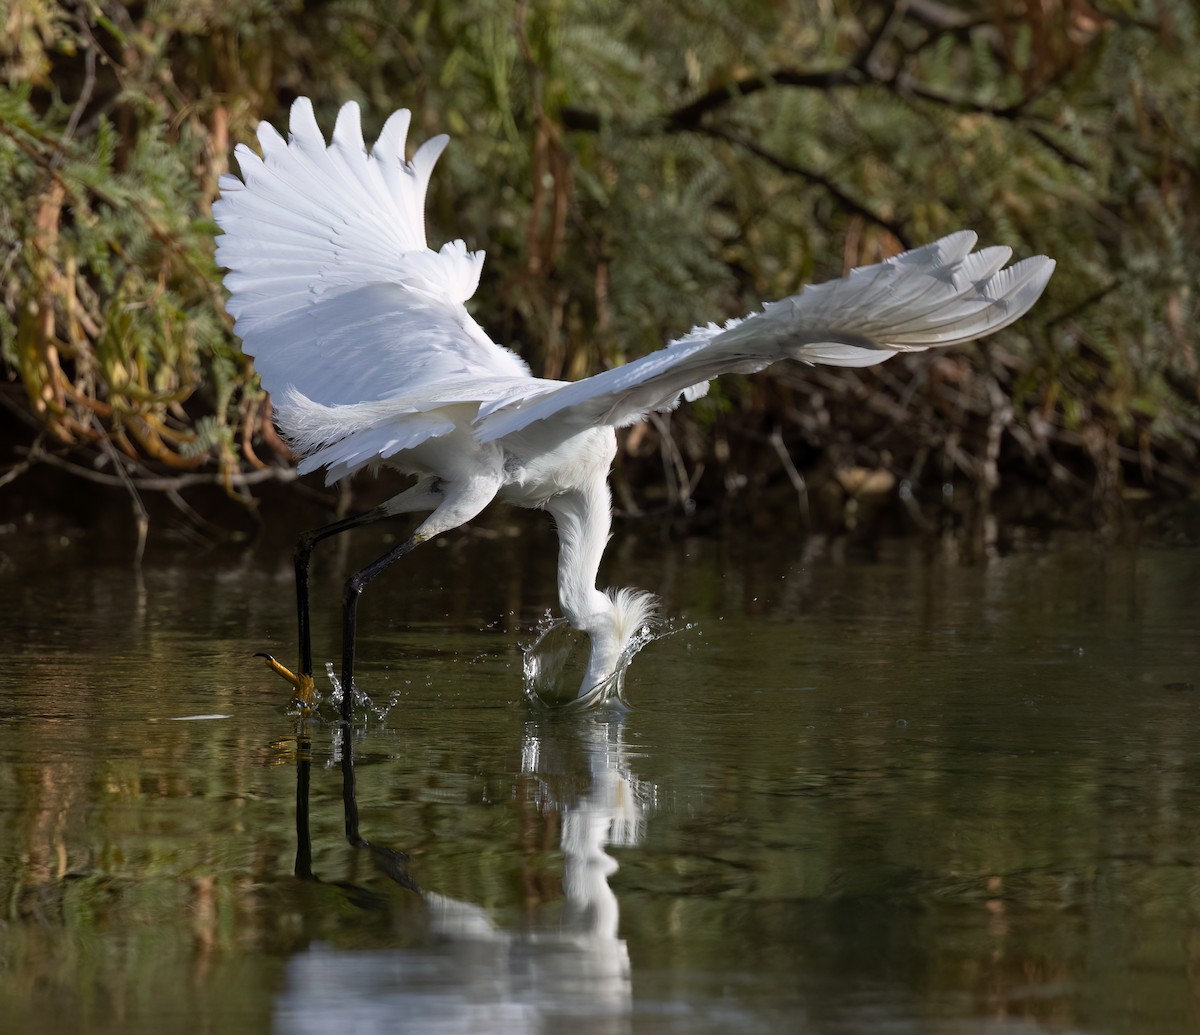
[303,557]
[354,587]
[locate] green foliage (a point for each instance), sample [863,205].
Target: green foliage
[631,170]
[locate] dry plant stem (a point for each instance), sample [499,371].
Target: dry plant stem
[141,518]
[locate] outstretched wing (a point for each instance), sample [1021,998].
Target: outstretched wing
[333,287]
[941,294]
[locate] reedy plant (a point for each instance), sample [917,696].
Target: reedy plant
[631,170]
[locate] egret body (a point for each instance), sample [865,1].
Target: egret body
[359,332]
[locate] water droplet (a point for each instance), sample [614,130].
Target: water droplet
[553,664]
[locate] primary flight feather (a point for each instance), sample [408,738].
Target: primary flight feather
[359,331]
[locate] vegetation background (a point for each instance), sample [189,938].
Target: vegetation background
[633,169]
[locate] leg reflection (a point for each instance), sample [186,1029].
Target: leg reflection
[303,777]
[390,862]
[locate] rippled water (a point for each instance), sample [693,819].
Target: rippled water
[885,794]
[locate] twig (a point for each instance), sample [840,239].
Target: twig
[153,483]
[15,472]
[690,115]
[826,183]
[140,517]
[880,37]
[674,466]
[794,476]
[89,80]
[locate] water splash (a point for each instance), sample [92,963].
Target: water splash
[361,700]
[554,662]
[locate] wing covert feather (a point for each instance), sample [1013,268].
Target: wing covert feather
[360,331]
[943,293]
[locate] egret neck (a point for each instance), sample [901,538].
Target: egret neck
[583,518]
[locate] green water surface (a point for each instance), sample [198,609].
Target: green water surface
[885,793]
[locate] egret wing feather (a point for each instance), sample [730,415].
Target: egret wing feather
[336,294]
[943,293]
[359,330]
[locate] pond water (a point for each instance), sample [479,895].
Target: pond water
[884,793]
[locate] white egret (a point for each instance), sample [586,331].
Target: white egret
[359,332]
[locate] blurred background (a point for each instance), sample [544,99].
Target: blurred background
[631,170]
[943,782]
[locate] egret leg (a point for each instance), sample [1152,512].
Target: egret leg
[423,496]
[302,682]
[394,864]
[457,502]
[354,587]
[303,558]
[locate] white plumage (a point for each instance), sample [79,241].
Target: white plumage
[359,331]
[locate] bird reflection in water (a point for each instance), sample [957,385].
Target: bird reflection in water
[472,974]
[611,811]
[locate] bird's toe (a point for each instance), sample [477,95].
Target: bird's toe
[305,693]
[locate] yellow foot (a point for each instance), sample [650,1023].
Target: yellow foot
[306,693]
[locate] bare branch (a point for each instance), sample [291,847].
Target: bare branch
[690,115]
[157,483]
[848,203]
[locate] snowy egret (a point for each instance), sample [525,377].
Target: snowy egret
[358,330]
